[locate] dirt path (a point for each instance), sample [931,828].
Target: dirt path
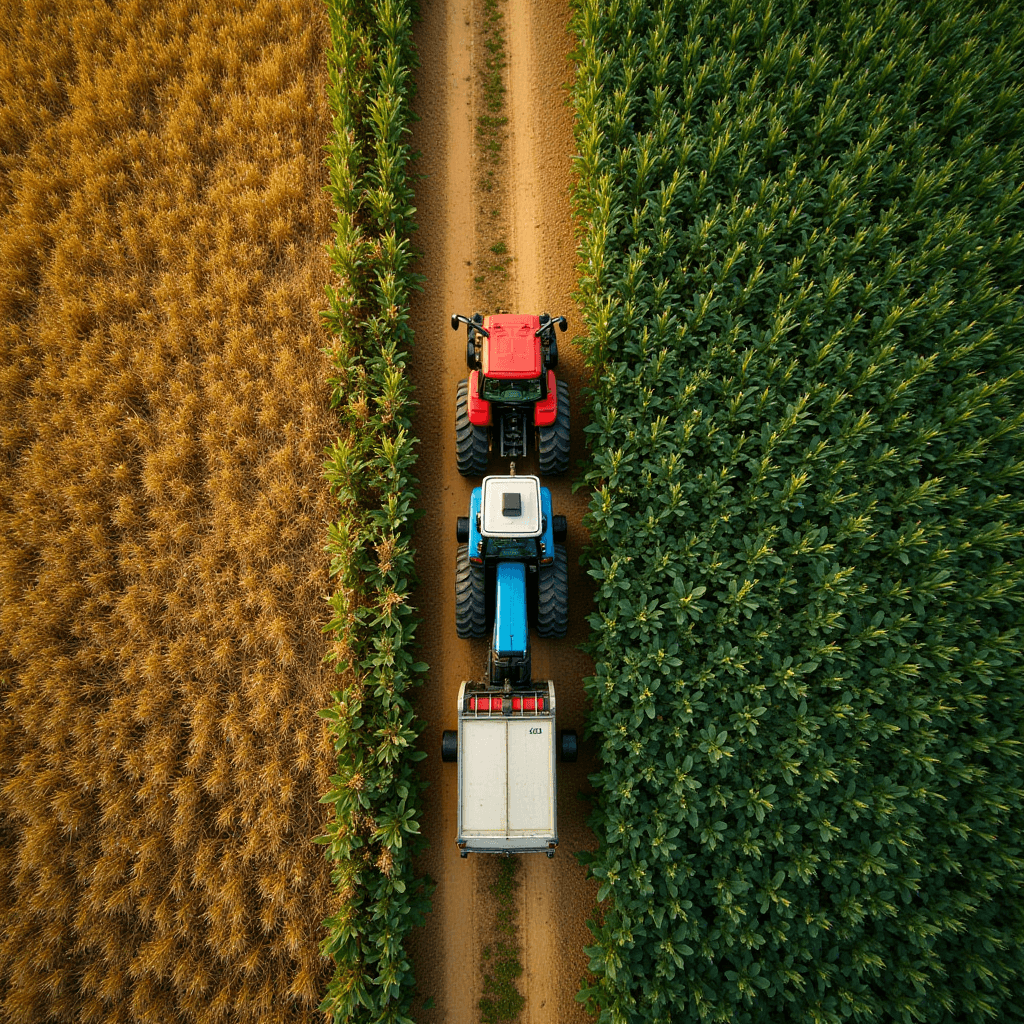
[555,901]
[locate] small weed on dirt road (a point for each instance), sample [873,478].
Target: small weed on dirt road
[491,159]
[502,1001]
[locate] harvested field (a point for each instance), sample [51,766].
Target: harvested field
[164,412]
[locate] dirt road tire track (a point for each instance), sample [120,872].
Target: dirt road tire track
[555,900]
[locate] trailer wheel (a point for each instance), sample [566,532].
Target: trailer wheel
[569,745]
[470,440]
[553,441]
[449,746]
[553,596]
[470,597]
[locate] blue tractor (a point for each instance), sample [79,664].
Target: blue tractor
[511,573]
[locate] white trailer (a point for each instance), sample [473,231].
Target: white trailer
[506,749]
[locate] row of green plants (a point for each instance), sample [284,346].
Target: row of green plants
[376,790]
[800,271]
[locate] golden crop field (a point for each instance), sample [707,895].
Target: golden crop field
[164,414]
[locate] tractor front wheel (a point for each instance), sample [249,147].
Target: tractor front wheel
[558,526]
[553,596]
[470,440]
[470,597]
[553,441]
[551,363]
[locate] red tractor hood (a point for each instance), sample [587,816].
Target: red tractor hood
[512,352]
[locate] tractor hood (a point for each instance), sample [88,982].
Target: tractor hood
[512,352]
[510,630]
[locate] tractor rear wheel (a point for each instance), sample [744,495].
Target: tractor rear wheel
[553,596]
[470,440]
[553,441]
[470,597]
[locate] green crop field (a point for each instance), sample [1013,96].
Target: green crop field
[801,262]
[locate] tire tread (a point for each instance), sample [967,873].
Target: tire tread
[553,441]
[470,597]
[470,440]
[553,596]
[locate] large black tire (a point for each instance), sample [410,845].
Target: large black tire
[553,596]
[558,526]
[569,746]
[553,441]
[470,597]
[450,746]
[470,440]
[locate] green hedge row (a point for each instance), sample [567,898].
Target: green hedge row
[376,790]
[801,267]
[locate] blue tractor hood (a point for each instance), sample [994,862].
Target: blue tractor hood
[510,628]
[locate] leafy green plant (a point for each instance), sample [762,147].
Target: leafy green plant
[375,792]
[800,275]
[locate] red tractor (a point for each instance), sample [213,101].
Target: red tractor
[512,391]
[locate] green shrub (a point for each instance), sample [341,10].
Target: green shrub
[376,790]
[800,272]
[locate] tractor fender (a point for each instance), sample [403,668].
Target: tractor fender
[547,538]
[479,408]
[475,540]
[545,410]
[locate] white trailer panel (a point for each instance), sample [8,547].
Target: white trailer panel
[531,777]
[484,748]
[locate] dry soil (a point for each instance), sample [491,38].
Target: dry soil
[555,900]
